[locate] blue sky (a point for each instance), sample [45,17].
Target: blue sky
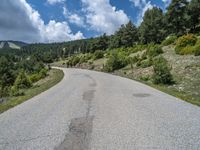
[64,20]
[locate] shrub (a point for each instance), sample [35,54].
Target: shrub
[115,61]
[187,50]
[98,54]
[75,60]
[4,91]
[15,91]
[197,48]
[185,41]
[169,40]
[34,78]
[22,81]
[144,78]
[136,48]
[43,73]
[162,73]
[82,59]
[154,50]
[37,76]
[133,60]
[146,63]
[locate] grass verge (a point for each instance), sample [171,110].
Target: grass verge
[179,94]
[54,77]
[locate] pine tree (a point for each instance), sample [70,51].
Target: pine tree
[152,27]
[194,15]
[177,18]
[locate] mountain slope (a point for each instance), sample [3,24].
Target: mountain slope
[11,44]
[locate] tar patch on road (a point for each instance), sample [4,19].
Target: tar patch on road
[79,135]
[141,95]
[80,129]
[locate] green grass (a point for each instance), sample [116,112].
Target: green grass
[179,94]
[54,77]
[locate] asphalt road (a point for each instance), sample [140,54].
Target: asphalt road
[96,111]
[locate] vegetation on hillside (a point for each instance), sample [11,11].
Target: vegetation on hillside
[53,77]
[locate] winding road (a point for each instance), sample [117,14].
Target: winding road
[90,110]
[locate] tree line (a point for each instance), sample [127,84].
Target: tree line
[181,17]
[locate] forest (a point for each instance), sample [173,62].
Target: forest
[181,23]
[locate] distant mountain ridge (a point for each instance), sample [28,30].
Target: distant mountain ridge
[12,44]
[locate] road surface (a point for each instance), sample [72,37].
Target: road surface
[89,110]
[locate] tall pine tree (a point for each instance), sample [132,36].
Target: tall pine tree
[152,27]
[177,17]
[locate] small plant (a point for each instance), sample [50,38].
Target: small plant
[169,40]
[22,81]
[197,48]
[145,78]
[115,61]
[98,54]
[162,73]
[146,63]
[154,50]
[184,44]
[15,91]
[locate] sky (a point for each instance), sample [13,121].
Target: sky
[46,21]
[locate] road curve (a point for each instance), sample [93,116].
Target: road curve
[89,110]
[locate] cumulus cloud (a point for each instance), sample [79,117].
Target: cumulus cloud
[73,17]
[55,1]
[59,31]
[102,17]
[19,21]
[143,6]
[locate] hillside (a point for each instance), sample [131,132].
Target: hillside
[11,44]
[185,69]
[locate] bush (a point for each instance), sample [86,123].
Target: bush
[162,73]
[145,63]
[16,92]
[185,41]
[98,54]
[169,40]
[197,49]
[4,91]
[136,48]
[115,61]
[37,76]
[73,61]
[187,50]
[34,78]
[43,73]
[22,81]
[154,50]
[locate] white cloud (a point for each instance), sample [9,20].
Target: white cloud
[143,6]
[59,31]
[139,3]
[19,21]
[73,18]
[166,2]
[55,1]
[102,17]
